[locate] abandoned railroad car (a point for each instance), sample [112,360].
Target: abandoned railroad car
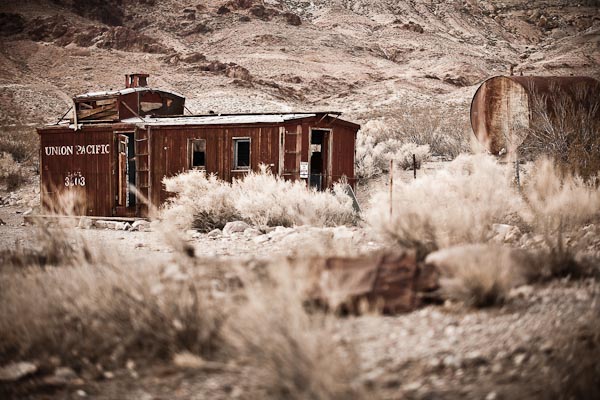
[135,137]
[505,108]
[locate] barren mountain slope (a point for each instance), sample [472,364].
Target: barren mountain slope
[366,58]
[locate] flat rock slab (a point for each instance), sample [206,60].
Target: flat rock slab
[388,282]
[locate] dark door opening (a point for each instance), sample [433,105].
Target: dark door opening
[319,140]
[126,169]
[131,168]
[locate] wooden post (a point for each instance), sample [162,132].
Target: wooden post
[414,166]
[517,175]
[391,185]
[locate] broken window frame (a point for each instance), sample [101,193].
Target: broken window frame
[191,151]
[236,164]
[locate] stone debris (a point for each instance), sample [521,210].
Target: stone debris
[61,377]
[215,233]
[17,370]
[112,225]
[140,225]
[235,227]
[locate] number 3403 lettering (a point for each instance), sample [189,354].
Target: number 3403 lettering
[74,179]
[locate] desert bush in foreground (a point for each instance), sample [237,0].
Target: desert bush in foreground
[456,205]
[104,313]
[293,353]
[94,310]
[205,202]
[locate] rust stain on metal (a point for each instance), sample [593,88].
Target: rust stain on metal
[502,108]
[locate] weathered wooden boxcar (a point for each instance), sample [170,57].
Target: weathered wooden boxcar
[135,137]
[505,108]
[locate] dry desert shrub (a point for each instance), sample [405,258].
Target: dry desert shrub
[202,201]
[20,142]
[260,198]
[374,150]
[453,206]
[566,128]
[88,305]
[556,204]
[294,353]
[480,275]
[11,173]
[446,132]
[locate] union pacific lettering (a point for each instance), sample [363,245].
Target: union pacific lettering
[77,150]
[58,150]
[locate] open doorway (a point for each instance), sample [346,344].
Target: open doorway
[126,172]
[319,158]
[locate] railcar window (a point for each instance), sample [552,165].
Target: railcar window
[197,153]
[241,153]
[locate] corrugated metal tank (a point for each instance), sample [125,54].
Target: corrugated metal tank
[502,110]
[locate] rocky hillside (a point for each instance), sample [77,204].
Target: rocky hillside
[367,58]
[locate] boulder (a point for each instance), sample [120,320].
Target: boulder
[292,19]
[61,377]
[458,74]
[215,233]
[140,225]
[235,227]
[85,223]
[17,370]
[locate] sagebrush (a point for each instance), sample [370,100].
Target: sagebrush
[204,202]
[456,205]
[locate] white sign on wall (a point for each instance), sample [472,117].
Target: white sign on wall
[303,169]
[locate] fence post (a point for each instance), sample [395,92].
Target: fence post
[391,186]
[414,166]
[517,175]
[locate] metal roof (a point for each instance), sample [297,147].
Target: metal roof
[217,119]
[112,93]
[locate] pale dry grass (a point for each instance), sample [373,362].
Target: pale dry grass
[259,198]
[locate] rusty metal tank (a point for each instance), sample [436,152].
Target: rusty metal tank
[503,109]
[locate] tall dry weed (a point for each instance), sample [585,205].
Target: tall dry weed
[480,275]
[294,353]
[566,128]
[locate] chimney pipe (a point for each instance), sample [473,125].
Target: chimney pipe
[136,80]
